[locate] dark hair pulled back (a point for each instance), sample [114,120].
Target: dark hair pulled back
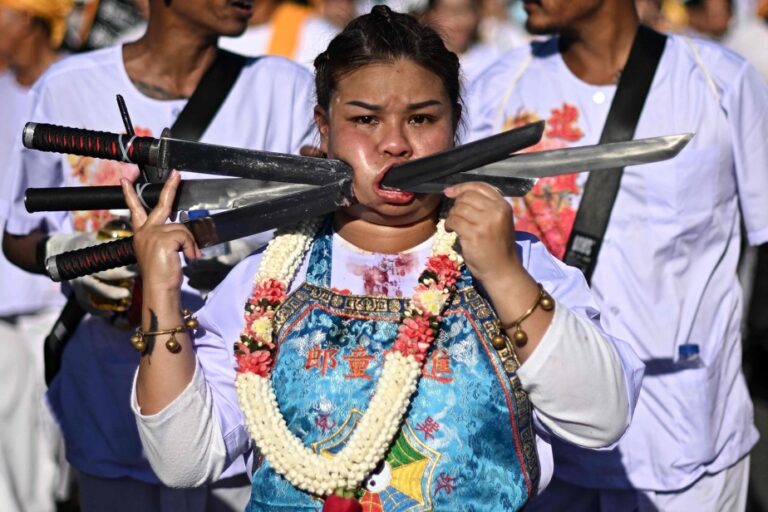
[385,36]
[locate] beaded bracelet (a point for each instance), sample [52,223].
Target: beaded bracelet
[544,300]
[139,339]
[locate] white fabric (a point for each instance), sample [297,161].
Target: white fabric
[313,39]
[476,59]
[666,274]
[268,108]
[20,292]
[607,372]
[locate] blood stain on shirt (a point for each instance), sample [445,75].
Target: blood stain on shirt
[384,277]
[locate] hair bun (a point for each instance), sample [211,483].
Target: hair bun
[382,11]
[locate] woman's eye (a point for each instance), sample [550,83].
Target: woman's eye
[364,119]
[420,119]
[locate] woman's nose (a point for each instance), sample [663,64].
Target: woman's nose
[394,141]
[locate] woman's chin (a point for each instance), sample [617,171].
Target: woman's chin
[417,208]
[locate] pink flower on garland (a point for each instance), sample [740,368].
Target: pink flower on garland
[258,362]
[446,269]
[271,291]
[414,336]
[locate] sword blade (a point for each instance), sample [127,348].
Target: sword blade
[273,213]
[463,158]
[247,163]
[529,166]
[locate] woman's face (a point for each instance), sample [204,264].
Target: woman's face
[381,115]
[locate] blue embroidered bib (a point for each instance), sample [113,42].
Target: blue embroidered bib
[467,442]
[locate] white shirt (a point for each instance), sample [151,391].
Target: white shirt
[313,39]
[666,274]
[268,108]
[20,291]
[203,430]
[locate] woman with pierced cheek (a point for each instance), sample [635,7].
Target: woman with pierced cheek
[439,392]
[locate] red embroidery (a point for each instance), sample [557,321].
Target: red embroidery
[358,363]
[429,427]
[323,358]
[562,123]
[438,367]
[322,422]
[445,483]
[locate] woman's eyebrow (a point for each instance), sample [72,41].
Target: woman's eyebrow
[412,106]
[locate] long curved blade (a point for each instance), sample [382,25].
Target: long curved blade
[556,162]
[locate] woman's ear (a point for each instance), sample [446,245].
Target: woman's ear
[323,126]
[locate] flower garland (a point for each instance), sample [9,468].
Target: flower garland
[255,352]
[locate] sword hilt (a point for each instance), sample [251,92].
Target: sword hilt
[74,141]
[86,198]
[89,260]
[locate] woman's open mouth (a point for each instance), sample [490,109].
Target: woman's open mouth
[390,195]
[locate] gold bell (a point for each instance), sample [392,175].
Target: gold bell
[173,346]
[546,302]
[498,342]
[191,323]
[520,337]
[137,340]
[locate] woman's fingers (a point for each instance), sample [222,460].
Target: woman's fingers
[164,207]
[138,215]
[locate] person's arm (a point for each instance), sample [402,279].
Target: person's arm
[196,436]
[567,361]
[24,251]
[483,221]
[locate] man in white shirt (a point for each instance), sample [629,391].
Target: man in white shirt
[666,273]
[269,107]
[33,473]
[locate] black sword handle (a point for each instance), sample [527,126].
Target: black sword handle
[89,260]
[87,198]
[109,146]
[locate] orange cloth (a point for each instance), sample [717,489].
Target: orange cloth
[762,9]
[54,12]
[286,26]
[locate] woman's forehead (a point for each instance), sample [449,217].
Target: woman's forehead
[395,82]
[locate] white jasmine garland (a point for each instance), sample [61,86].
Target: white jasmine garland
[371,438]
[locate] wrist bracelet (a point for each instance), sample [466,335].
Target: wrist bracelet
[544,300]
[139,339]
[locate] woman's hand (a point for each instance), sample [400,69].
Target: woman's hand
[484,223]
[157,244]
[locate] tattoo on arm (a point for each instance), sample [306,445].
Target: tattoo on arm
[153,323]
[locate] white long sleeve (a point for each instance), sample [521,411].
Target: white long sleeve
[183,442]
[575,382]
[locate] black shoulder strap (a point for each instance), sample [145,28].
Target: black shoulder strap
[208,97]
[602,188]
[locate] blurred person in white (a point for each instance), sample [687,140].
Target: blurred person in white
[457,22]
[748,33]
[499,25]
[269,108]
[32,469]
[666,273]
[283,28]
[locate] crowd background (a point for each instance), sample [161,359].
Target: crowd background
[478,31]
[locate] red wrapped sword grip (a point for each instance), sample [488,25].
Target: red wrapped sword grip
[90,260]
[74,141]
